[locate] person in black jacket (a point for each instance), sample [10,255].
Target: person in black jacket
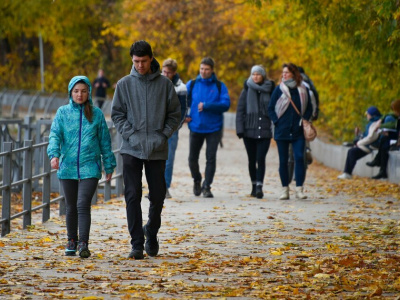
[101,84]
[254,125]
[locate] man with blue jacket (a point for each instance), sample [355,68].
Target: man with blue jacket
[208,99]
[146,112]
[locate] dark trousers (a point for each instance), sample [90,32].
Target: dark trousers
[353,155]
[257,150]
[382,157]
[299,162]
[132,173]
[196,141]
[78,199]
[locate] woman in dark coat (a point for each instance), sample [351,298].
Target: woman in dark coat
[288,125]
[254,125]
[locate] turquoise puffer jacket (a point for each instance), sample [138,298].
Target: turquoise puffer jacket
[80,145]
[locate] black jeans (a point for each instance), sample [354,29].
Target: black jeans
[196,141]
[382,157]
[257,150]
[78,200]
[132,173]
[353,155]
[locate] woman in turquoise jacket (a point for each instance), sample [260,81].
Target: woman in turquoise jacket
[79,142]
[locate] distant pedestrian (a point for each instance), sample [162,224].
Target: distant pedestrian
[101,84]
[79,142]
[146,112]
[169,69]
[314,95]
[254,125]
[289,94]
[208,99]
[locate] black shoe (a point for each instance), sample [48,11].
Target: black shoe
[253,191]
[207,192]
[373,163]
[83,250]
[70,250]
[380,175]
[259,192]
[136,254]
[197,188]
[151,244]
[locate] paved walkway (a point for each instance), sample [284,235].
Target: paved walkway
[341,243]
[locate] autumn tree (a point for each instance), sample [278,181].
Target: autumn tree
[349,48]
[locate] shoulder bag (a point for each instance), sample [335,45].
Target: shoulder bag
[310,133]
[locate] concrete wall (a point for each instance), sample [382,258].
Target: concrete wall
[334,156]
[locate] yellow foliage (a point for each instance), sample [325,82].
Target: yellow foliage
[349,48]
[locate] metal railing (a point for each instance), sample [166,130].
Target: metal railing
[21,103]
[45,175]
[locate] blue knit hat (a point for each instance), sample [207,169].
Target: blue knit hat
[373,111]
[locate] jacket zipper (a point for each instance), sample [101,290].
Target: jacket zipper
[79,144]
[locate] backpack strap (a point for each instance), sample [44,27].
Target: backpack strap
[219,86]
[189,96]
[192,83]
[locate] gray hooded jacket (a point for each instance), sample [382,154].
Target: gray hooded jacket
[146,111]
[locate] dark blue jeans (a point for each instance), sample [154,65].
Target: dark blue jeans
[353,155]
[169,165]
[257,150]
[132,173]
[78,200]
[299,165]
[196,141]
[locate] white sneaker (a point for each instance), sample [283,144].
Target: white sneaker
[167,195]
[344,176]
[299,193]
[285,193]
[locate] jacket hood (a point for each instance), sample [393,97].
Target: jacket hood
[74,81]
[155,70]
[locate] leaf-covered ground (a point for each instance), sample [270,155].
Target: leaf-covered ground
[341,243]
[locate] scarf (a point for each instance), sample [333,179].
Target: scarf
[283,102]
[254,105]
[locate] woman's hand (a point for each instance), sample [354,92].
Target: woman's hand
[55,163]
[108,176]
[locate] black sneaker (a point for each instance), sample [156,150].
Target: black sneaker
[373,163]
[136,254]
[70,250]
[207,192]
[197,188]
[83,250]
[253,191]
[380,175]
[259,192]
[151,244]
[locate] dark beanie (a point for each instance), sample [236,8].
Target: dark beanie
[373,111]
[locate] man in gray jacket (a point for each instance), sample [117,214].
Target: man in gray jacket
[146,112]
